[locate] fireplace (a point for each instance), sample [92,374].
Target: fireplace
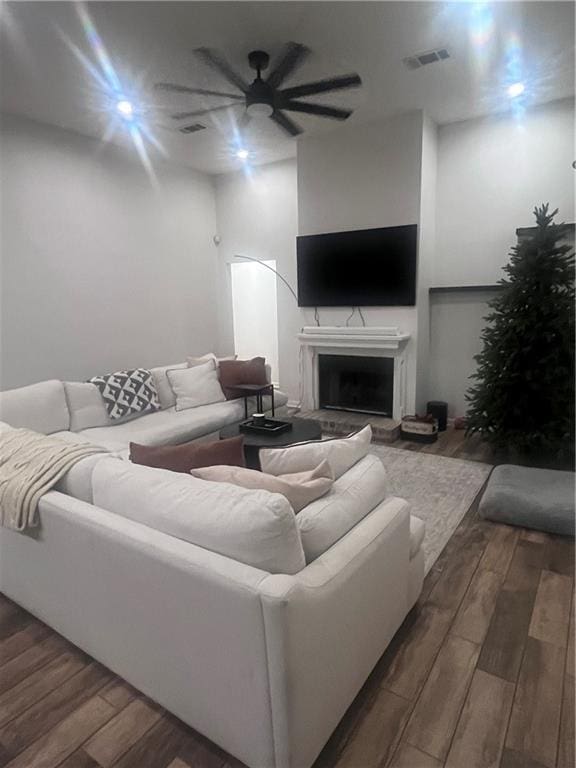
[384,352]
[356,383]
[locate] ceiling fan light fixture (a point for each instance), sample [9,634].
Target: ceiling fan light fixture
[125,108]
[515,90]
[260,109]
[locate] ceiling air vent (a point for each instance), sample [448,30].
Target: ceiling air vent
[192,128]
[427,57]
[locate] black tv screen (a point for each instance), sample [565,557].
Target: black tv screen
[361,268]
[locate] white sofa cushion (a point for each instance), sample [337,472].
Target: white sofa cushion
[86,406]
[341,454]
[165,393]
[41,407]
[169,426]
[257,528]
[196,386]
[323,522]
[417,531]
[77,482]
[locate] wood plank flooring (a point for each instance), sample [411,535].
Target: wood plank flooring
[480,675]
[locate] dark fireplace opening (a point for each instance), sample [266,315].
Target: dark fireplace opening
[354,383]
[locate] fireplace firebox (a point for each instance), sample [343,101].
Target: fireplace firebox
[356,383]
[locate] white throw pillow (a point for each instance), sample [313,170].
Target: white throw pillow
[323,522]
[341,454]
[196,386]
[165,394]
[300,488]
[254,527]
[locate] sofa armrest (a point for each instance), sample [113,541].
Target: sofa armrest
[327,626]
[182,624]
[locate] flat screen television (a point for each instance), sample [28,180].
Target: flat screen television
[361,268]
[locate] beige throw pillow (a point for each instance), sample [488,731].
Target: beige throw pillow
[300,488]
[193,361]
[196,386]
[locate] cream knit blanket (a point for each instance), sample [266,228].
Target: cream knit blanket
[30,465]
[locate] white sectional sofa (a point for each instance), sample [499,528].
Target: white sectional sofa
[75,411]
[68,409]
[161,581]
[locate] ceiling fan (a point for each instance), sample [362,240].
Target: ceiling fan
[264,98]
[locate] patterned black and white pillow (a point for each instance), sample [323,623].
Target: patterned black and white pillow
[127,392]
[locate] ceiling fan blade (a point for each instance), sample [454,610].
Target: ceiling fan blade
[214,60]
[294,55]
[322,86]
[174,88]
[198,112]
[321,110]
[288,125]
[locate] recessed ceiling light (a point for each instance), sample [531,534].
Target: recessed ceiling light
[242,154]
[515,90]
[125,108]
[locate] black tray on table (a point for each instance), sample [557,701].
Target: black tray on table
[268,427]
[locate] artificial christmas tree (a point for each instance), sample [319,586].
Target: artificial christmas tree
[523,400]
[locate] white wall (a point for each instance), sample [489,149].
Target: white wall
[100,270]
[257,217]
[360,176]
[363,176]
[456,322]
[426,251]
[491,174]
[255,312]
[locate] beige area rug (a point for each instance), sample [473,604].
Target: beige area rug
[439,489]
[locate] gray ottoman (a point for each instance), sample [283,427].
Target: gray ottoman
[533,498]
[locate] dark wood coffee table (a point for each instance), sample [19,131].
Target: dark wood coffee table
[302,430]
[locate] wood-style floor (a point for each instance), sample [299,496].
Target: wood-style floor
[480,675]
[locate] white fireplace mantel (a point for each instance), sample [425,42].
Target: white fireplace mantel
[361,341]
[359,338]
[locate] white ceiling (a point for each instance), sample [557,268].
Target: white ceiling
[152,41]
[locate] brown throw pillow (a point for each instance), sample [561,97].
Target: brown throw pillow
[187,456]
[234,373]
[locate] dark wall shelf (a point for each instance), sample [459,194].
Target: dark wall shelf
[463,288]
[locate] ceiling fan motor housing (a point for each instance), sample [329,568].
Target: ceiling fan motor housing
[260,99]
[258,60]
